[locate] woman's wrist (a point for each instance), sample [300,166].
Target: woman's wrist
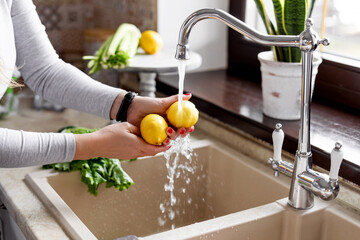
[85,146]
[116,105]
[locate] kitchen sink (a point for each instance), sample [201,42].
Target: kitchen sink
[275,221]
[226,184]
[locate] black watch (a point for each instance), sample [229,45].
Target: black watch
[122,112]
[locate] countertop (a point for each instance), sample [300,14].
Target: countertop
[30,214]
[237,101]
[34,219]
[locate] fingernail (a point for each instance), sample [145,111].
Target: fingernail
[187,94]
[167,140]
[168,147]
[191,130]
[182,131]
[170,130]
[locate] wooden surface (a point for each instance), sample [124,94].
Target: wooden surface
[238,102]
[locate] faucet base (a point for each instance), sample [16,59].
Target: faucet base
[300,207]
[299,197]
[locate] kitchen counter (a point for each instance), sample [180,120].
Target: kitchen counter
[36,221]
[29,213]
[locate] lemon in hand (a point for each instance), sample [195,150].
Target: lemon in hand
[185,117]
[153,129]
[151,42]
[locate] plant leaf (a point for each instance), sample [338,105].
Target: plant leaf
[261,9]
[310,7]
[295,13]
[279,13]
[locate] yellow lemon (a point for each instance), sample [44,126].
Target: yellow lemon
[151,42]
[153,129]
[185,117]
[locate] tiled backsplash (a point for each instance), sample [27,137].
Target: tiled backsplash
[65,20]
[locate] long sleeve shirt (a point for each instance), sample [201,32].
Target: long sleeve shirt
[23,38]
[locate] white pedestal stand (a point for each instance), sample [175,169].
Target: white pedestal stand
[148,66]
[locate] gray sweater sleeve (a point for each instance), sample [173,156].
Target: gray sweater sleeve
[22,149]
[55,81]
[49,76]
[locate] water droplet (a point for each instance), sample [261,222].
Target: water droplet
[177,167]
[162,208]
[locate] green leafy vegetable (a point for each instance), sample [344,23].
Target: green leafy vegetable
[116,51]
[95,171]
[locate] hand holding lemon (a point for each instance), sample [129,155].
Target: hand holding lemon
[154,128]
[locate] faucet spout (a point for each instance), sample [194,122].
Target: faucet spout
[182,49]
[304,183]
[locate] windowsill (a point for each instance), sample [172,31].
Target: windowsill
[238,102]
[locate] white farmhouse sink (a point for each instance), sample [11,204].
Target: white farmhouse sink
[224,182]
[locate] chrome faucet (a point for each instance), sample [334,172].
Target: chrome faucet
[305,182]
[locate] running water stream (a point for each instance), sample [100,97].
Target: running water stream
[176,169]
[181,69]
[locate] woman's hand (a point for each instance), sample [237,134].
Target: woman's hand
[120,140]
[142,106]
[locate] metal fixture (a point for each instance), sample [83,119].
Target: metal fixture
[305,182]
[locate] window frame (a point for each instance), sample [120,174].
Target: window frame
[337,83]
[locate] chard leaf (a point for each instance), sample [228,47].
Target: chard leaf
[95,171]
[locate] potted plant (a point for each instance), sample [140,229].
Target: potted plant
[281,67]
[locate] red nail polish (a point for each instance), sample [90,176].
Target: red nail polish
[191,130]
[170,130]
[187,94]
[168,147]
[167,140]
[182,131]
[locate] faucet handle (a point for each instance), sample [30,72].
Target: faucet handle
[278,139]
[336,158]
[308,23]
[325,42]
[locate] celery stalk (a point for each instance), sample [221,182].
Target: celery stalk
[116,50]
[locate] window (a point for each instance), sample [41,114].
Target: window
[338,81]
[337,84]
[334,19]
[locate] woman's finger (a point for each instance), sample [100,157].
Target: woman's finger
[182,132]
[152,150]
[190,129]
[166,142]
[171,133]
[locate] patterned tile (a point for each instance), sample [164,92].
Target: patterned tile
[65,20]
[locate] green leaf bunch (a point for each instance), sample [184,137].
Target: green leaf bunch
[290,16]
[95,171]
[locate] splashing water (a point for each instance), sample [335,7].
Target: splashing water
[175,168]
[181,69]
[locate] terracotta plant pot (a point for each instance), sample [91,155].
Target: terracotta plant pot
[281,86]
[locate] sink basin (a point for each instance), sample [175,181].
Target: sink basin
[277,221]
[225,183]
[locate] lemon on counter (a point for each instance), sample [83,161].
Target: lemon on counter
[185,117]
[153,129]
[151,42]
